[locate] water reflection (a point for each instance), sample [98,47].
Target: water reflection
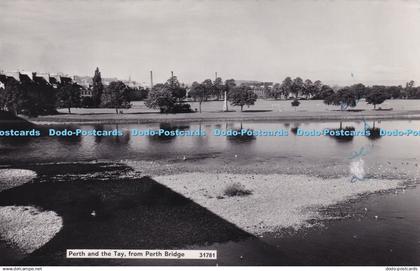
[295,127]
[241,135]
[202,141]
[122,139]
[69,140]
[168,127]
[13,141]
[340,133]
[375,132]
[294,130]
[16,141]
[249,147]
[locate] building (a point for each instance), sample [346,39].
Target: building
[57,79]
[25,77]
[66,80]
[259,88]
[86,92]
[107,81]
[45,76]
[132,84]
[14,75]
[84,81]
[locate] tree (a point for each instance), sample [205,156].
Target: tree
[230,84]
[359,90]
[199,92]
[137,94]
[69,96]
[395,92]
[276,92]
[417,95]
[286,87]
[410,90]
[86,102]
[161,97]
[307,88]
[29,98]
[2,98]
[295,103]
[344,97]
[242,96]
[267,90]
[177,90]
[317,88]
[325,92]
[48,96]
[192,92]
[218,88]
[116,95]
[9,96]
[297,86]
[376,97]
[410,84]
[97,88]
[208,85]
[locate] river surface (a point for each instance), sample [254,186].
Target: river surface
[46,148]
[263,105]
[377,229]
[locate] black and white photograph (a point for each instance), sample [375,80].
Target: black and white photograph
[209,133]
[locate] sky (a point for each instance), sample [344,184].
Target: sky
[336,41]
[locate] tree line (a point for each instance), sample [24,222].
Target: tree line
[36,96]
[116,95]
[162,95]
[318,91]
[28,97]
[170,97]
[344,97]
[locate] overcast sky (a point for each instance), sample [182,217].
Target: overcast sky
[337,42]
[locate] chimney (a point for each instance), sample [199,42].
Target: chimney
[151,79]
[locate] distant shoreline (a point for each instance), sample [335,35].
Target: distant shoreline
[227,116]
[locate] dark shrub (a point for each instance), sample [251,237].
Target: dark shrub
[295,102]
[178,108]
[236,189]
[87,102]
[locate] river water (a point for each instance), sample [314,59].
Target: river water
[357,239]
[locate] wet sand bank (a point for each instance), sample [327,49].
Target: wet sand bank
[276,201]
